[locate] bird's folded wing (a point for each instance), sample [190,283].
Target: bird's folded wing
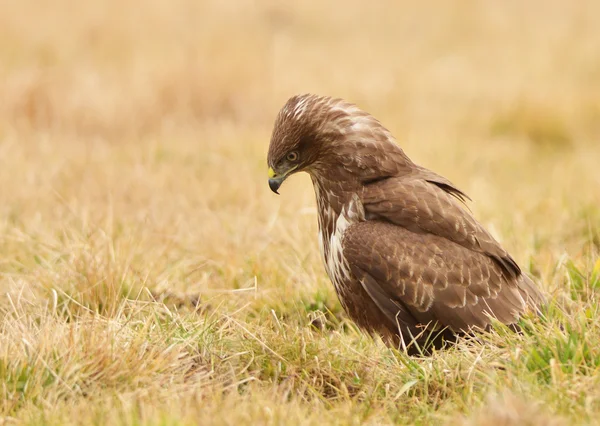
[425,206]
[435,279]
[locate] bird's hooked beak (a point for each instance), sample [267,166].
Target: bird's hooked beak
[275,180]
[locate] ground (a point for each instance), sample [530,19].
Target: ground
[149,276]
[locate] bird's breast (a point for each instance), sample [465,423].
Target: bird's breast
[332,252]
[337,210]
[332,228]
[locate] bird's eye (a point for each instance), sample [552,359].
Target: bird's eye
[292,156]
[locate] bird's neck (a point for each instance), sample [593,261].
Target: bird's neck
[336,198]
[332,195]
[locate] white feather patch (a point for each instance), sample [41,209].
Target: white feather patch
[336,264]
[299,108]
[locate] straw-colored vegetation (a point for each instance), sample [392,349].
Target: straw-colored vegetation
[149,276]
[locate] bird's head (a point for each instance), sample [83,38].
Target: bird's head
[320,135]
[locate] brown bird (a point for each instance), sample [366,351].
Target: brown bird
[407,260]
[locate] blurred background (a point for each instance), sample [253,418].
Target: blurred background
[133,135]
[133,142]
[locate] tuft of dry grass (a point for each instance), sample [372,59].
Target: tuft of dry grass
[149,276]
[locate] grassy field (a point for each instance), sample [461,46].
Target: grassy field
[149,276]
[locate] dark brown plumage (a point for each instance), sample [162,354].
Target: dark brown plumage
[407,260]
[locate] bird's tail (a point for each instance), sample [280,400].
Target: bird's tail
[534,298]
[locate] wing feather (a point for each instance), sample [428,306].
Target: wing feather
[432,278]
[419,205]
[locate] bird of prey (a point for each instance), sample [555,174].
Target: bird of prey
[408,261]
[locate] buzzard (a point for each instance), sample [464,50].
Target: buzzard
[407,259]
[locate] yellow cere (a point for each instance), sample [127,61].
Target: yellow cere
[271,173]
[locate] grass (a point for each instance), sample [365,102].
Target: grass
[149,276]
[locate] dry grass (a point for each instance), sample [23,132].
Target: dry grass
[149,276]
